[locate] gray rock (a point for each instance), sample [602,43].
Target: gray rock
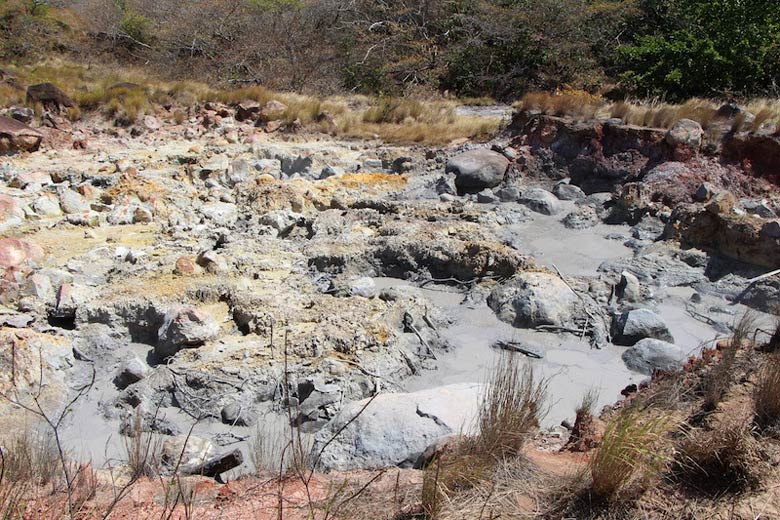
[296,165]
[331,171]
[477,169]
[72,202]
[649,228]
[23,114]
[221,213]
[364,287]
[184,327]
[760,208]
[395,429]
[272,167]
[186,451]
[628,288]
[508,194]
[131,371]
[237,172]
[282,221]
[540,201]
[212,262]
[217,164]
[582,218]
[532,299]
[487,196]
[566,191]
[651,355]
[686,133]
[632,326]
[47,206]
[445,185]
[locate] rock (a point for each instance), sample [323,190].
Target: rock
[216,165]
[771,229]
[685,133]
[722,203]
[331,171]
[445,185]
[628,288]
[531,299]
[566,191]
[131,371]
[759,208]
[152,123]
[581,218]
[51,97]
[651,355]
[487,196]
[322,402]
[282,220]
[477,169]
[395,429]
[184,327]
[17,136]
[15,252]
[508,194]
[22,114]
[188,452]
[185,266]
[11,212]
[221,213]
[237,172]
[212,262]
[235,414]
[25,179]
[633,326]
[364,287]
[540,201]
[142,215]
[704,192]
[72,202]
[216,465]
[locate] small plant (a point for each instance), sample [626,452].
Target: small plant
[719,379]
[726,458]
[583,435]
[628,451]
[511,409]
[274,446]
[143,450]
[31,456]
[766,395]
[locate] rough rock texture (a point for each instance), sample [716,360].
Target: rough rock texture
[533,299]
[651,355]
[184,327]
[633,326]
[395,429]
[477,169]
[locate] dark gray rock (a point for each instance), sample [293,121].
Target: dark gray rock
[566,191]
[632,326]
[651,355]
[487,196]
[508,194]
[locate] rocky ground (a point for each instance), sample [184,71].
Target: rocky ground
[212,276]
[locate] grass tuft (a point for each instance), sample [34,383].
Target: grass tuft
[627,451]
[766,396]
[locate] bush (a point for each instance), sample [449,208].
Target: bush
[766,395]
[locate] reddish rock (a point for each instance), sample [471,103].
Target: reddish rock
[16,136]
[185,266]
[15,252]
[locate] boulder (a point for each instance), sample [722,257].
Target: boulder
[132,370]
[51,97]
[15,252]
[531,299]
[508,194]
[72,203]
[186,452]
[487,196]
[395,429]
[630,327]
[540,201]
[184,327]
[685,132]
[477,169]
[17,136]
[364,287]
[566,191]
[651,355]
[628,288]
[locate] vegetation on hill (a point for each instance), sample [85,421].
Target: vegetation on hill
[500,48]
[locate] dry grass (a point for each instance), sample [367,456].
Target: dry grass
[629,451]
[31,457]
[726,458]
[572,103]
[143,450]
[766,396]
[511,409]
[720,377]
[275,448]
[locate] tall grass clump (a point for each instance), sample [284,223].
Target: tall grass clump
[31,456]
[511,409]
[143,450]
[766,396]
[630,450]
[276,447]
[718,380]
